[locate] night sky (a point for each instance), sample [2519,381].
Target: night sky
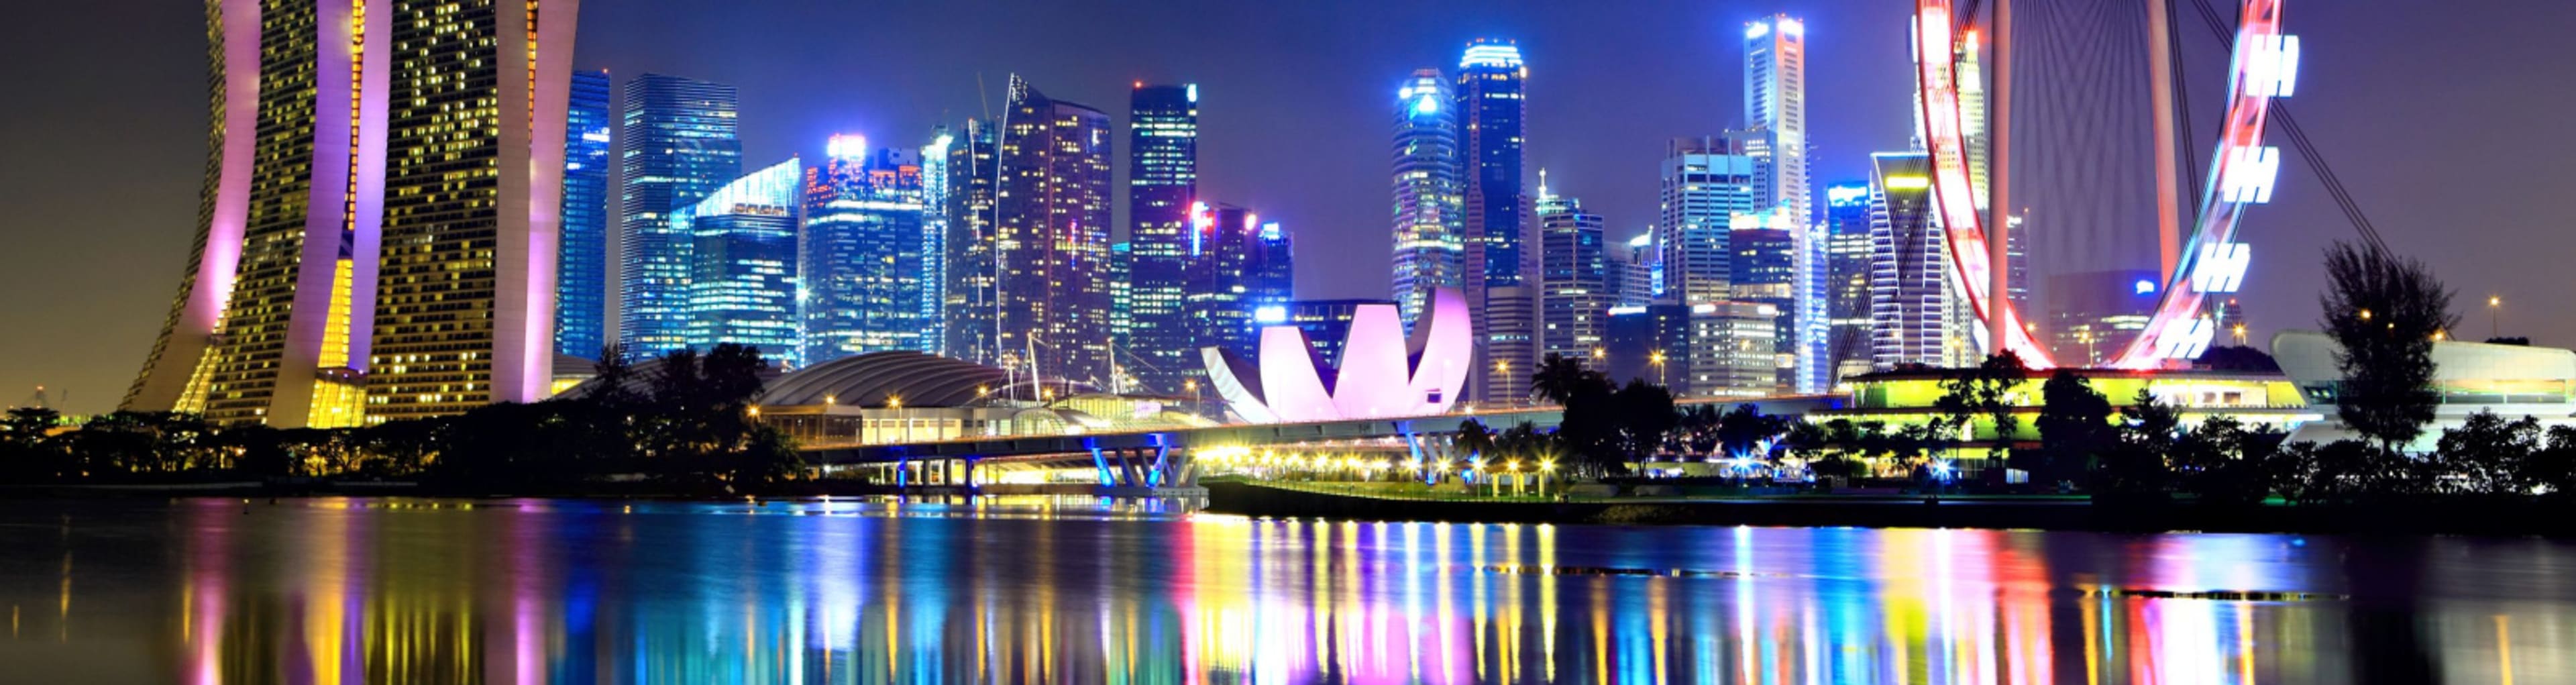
[2450,126]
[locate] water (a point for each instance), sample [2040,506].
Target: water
[1075,590]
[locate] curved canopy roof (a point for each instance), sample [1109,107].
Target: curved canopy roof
[922,380]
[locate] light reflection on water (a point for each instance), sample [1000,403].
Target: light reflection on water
[1075,590]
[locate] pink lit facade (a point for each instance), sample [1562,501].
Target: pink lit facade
[1383,374]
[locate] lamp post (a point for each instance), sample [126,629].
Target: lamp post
[2495,315]
[1503,377]
[1658,359]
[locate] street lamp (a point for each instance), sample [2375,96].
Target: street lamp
[2495,315]
[1503,375]
[1658,358]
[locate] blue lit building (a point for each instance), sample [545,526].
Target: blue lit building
[1489,91]
[1162,149]
[1270,275]
[1574,277]
[970,303]
[742,280]
[1221,273]
[934,241]
[1847,250]
[681,143]
[861,252]
[1429,220]
[581,255]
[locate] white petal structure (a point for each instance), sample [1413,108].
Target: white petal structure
[1383,374]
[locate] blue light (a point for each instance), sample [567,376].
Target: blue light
[1270,314]
[1194,93]
[1426,106]
[2146,287]
[1271,232]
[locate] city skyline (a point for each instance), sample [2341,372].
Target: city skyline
[1854,66]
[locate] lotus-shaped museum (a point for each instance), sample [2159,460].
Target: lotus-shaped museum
[1384,373]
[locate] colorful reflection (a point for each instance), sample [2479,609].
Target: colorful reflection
[1082,590]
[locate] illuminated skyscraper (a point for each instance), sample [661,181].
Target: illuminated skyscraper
[1429,228]
[680,145]
[742,277]
[1733,350]
[1910,309]
[1847,250]
[271,320]
[1270,274]
[1765,271]
[1574,282]
[474,166]
[861,252]
[1775,105]
[1489,104]
[934,241]
[581,261]
[1490,108]
[1217,300]
[1162,149]
[1636,271]
[970,306]
[1706,182]
[1053,236]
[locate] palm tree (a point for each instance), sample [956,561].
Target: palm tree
[1559,377]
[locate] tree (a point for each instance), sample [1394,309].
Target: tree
[2222,461]
[2385,312]
[1645,415]
[2074,428]
[2237,358]
[1984,390]
[1742,430]
[1473,441]
[1559,378]
[1591,429]
[2135,463]
[2487,455]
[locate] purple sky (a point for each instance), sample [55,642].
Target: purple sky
[2444,123]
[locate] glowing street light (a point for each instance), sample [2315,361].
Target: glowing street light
[2495,315]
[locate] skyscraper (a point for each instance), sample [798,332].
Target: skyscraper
[1775,105]
[742,277]
[1574,283]
[1217,300]
[681,143]
[581,260]
[1489,101]
[861,252]
[1053,236]
[1636,271]
[1733,350]
[1162,168]
[1910,310]
[1270,274]
[1490,108]
[474,165]
[1847,250]
[1765,271]
[1706,182]
[970,308]
[934,241]
[270,322]
[1429,228]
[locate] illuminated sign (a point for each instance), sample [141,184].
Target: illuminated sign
[2272,66]
[2146,287]
[1485,55]
[1193,93]
[1269,314]
[1792,27]
[1756,30]
[1628,309]
[1426,105]
[1908,182]
[1271,232]
[1845,196]
[2185,339]
[2250,173]
[1642,240]
[2221,267]
[846,146]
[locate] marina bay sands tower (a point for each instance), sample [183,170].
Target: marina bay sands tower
[356,258]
